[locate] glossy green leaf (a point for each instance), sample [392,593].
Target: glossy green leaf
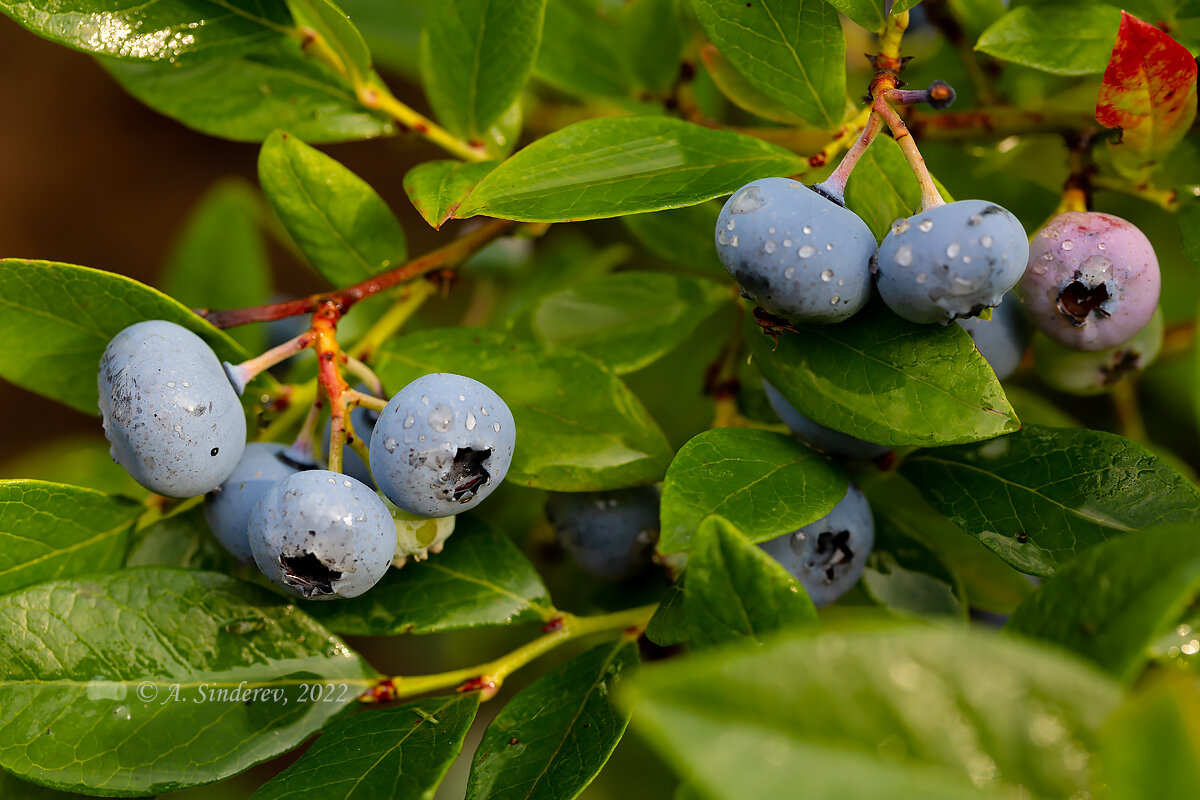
[609,167]
[668,626]
[883,189]
[1064,39]
[342,225]
[476,56]
[582,49]
[481,578]
[885,380]
[897,712]
[79,460]
[51,531]
[736,591]
[868,14]
[741,92]
[907,577]
[1189,232]
[681,236]
[653,35]
[12,788]
[183,540]
[174,30]
[552,739]
[148,661]
[1113,601]
[578,427]
[766,484]
[1040,497]
[437,188]
[339,35]
[394,39]
[791,50]
[64,316]
[1150,748]
[399,752]
[246,97]
[220,259]
[628,320]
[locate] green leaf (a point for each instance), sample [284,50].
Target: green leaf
[339,33]
[15,789]
[174,30]
[1063,39]
[1040,497]
[609,167]
[57,319]
[887,381]
[52,531]
[668,626]
[438,188]
[76,459]
[907,577]
[480,579]
[1150,748]
[736,591]
[582,50]
[247,97]
[183,540]
[743,94]
[139,658]
[766,484]
[1112,602]
[864,13]
[554,737]
[791,50]
[220,260]
[394,39]
[653,36]
[476,56]
[578,427]
[681,236]
[628,320]
[341,224]
[862,714]
[400,752]
[883,189]
[1189,232]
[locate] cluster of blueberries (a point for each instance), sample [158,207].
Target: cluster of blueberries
[172,415]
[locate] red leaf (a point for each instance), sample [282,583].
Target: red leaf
[1149,90]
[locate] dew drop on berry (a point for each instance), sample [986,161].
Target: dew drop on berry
[900,226]
[470,421]
[974,219]
[827,275]
[829,246]
[986,240]
[730,225]
[787,242]
[1102,246]
[833,301]
[408,423]
[771,230]
[496,427]
[807,229]
[921,276]
[769,247]
[1068,245]
[807,251]
[926,225]
[904,255]
[953,250]
[789,272]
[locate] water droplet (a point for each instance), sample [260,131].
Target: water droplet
[470,421]
[722,237]
[170,384]
[483,410]
[122,712]
[829,246]
[953,250]
[921,276]
[389,444]
[900,226]
[986,240]
[421,438]
[769,247]
[408,423]
[1068,245]
[807,229]
[730,225]
[926,225]
[833,301]
[807,251]
[771,230]
[747,200]
[1039,269]
[424,401]
[904,255]
[733,242]
[787,242]
[974,219]
[496,427]
[827,275]
[1102,246]
[966,259]
[462,398]
[187,385]
[789,272]
[841,282]
[440,417]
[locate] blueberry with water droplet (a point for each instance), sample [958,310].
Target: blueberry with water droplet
[609,535]
[818,436]
[951,262]
[828,556]
[1003,339]
[171,415]
[442,445]
[822,277]
[322,535]
[1093,280]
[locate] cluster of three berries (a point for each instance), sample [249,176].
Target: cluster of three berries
[175,423]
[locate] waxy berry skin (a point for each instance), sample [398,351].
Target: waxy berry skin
[610,535]
[1093,280]
[172,417]
[795,252]
[1003,339]
[817,436]
[951,261]
[1092,372]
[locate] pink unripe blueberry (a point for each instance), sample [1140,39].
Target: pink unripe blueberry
[1092,280]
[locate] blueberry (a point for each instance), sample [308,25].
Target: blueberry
[1092,281]
[795,252]
[442,444]
[1090,372]
[172,417]
[828,556]
[322,535]
[1002,340]
[817,436]
[610,535]
[227,508]
[951,261]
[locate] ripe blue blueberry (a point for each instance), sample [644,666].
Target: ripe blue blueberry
[172,417]
[610,535]
[1002,340]
[817,436]
[322,535]
[442,444]
[795,252]
[951,261]
[227,508]
[828,556]
[1091,372]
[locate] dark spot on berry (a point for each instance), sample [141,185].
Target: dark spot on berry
[214,451]
[832,551]
[1123,363]
[308,574]
[467,473]
[992,209]
[1077,301]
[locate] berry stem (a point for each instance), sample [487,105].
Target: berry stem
[306,439]
[1128,411]
[409,301]
[243,373]
[835,185]
[357,398]
[445,257]
[364,373]
[329,377]
[488,678]
[930,196]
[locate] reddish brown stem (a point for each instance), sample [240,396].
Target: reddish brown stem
[449,255]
